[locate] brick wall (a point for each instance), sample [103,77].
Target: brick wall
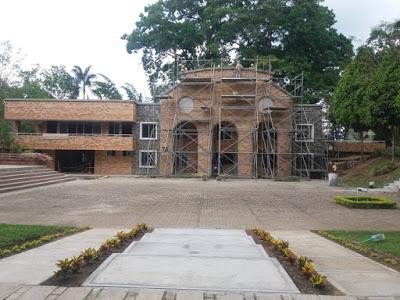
[112,165]
[49,142]
[74,110]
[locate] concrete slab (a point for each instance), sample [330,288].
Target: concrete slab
[76,293]
[366,284]
[197,273]
[189,295]
[200,231]
[36,265]
[205,250]
[198,239]
[37,292]
[8,289]
[344,264]
[112,293]
[150,295]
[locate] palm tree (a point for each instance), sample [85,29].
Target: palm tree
[105,88]
[132,93]
[83,79]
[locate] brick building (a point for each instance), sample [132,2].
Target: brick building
[212,123]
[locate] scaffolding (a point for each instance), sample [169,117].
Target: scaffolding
[202,128]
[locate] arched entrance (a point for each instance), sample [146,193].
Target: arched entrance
[225,149]
[185,149]
[267,150]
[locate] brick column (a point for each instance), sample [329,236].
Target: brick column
[284,146]
[203,155]
[245,149]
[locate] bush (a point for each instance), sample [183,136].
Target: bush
[36,156]
[365,202]
[384,168]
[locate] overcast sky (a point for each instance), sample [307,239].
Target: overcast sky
[87,32]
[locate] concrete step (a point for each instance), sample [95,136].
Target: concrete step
[26,177]
[21,172]
[38,184]
[7,168]
[25,181]
[188,239]
[196,250]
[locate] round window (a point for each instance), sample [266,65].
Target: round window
[185,104]
[265,104]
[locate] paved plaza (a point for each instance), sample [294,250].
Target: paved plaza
[234,204]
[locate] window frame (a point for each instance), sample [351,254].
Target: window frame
[111,153]
[311,139]
[141,131]
[140,159]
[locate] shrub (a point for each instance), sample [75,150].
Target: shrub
[308,268]
[122,236]
[318,280]
[75,263]
[36,156]
[365,201]
[384,168]
[64,266]
[89,255]
[302,260]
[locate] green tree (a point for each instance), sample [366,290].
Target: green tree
[132,93]
[299,33]
[84,78]
[384,94]
[59,83]
[351,103]
[105,88]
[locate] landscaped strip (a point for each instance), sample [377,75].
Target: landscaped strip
[15,238]
[386,252]
[301,269]
[73,271]
[365,201]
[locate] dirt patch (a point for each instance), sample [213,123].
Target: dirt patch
[300,280]
[76,279]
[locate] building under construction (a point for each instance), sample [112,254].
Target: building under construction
[216,120]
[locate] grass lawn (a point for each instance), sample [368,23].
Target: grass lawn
[391,244]
[11,235]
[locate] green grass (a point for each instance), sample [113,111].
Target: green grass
[363,173]
[11,235]
[391,244]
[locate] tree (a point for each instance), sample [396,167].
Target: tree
[351,103]
[10,60]
[384,93]
[83,79]
[59,83]
[106,89]
[299,33]
[132,93]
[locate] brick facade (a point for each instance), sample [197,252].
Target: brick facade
[112,165]
[70,110]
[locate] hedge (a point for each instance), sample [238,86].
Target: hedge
[365,202]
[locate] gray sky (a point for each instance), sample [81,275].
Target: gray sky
[87,32]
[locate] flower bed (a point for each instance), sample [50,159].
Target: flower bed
[75,270]
[300,269]
[35,156]
[365,202]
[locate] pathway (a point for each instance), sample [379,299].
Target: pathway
[349,271]
[36,265]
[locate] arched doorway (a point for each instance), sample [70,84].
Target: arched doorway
[185,149]
[225,149]
[267,150]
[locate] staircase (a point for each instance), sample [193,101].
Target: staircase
[25,177]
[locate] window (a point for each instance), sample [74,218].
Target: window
[148,131]
[96,128]
[111,153]
[147,159]
[304,132]
[51,127]
[126,128]
[114,128]
[126,153]
[225,134]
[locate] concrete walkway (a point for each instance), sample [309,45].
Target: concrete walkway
[21,292]
[349,271]
[36,265]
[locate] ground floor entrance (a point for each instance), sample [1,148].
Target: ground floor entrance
[75,161]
